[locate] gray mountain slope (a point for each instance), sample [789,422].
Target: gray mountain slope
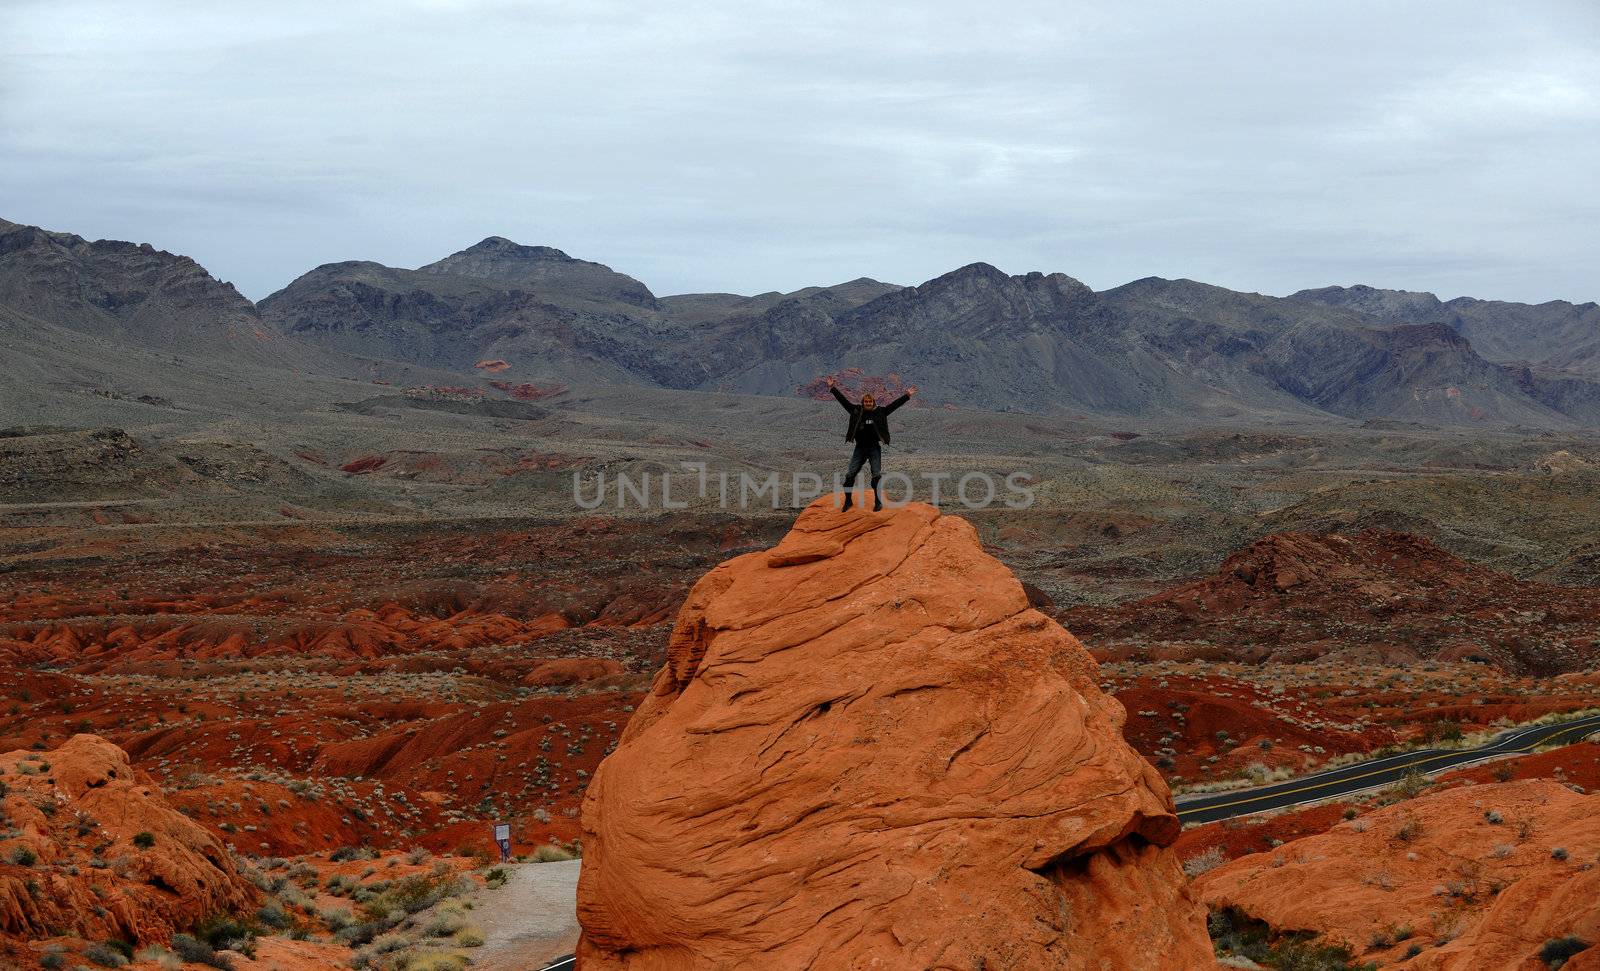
[137,295]
[1556,334]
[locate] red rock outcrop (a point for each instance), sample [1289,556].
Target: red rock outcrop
[866,751]
[1479,877]
[97,852]
[1373,597]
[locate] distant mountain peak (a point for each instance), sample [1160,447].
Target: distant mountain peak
[509,247]
[972,271]
[545,270]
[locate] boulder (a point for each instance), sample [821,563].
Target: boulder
[866,750]
[1479,876]
[96,851]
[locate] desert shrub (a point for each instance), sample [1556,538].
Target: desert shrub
[1557,951]
[1559,853]
[144,840]
[1411,785]
[1443,731]
[389,943]
[496,878]
[417,856]
[1410,830]
[551,853]
[1204,862]
[337,918]
[52,960]
[409,895]
[436,961]
[160,956]
[225,932]
[22,856]
[195,951]
[274,916]
[344,853]
[1236,934]
[470,936]
[105,955]
[1493,817]
[444,923]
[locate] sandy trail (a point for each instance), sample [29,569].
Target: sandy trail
[531,919]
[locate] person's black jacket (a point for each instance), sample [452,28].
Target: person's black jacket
[880,414]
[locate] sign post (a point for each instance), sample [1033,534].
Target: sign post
[502,838]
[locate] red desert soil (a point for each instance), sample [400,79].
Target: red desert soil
[871,747]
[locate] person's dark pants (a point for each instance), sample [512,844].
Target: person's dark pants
[870,455]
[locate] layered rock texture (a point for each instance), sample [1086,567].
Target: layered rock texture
[1476,877]
[865,750]
[91,849]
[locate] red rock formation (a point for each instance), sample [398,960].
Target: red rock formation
[570,670]
[73,864]
[1369,597]
[365,464]
[1481,876]
[866,750]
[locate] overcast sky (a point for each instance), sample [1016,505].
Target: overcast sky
[745,146]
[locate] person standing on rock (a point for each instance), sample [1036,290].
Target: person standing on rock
[869,430]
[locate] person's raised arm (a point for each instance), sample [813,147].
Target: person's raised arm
[901,400]
[843,401]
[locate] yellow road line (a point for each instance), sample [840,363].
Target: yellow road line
[1544,740]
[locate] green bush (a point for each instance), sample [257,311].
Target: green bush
[274,916]
[1236,934]
[1557,951]
[196,951]
[22,856]
[144,840]
[409,895]
[225,932]
[105,956]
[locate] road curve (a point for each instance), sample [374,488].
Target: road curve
[1376,773]
[1344,781]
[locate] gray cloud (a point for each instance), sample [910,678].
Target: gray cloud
[747,146]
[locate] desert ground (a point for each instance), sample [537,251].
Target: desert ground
[369,632]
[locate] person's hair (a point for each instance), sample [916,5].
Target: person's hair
[869,397]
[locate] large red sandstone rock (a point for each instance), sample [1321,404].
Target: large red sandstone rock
[77,811]
[1474,892]
[866,751]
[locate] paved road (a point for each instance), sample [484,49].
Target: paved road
[1376,773]
[1348,780]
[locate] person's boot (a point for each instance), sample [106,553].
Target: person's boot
[848,496]
[877,500]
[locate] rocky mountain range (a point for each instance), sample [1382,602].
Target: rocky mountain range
[974,337]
